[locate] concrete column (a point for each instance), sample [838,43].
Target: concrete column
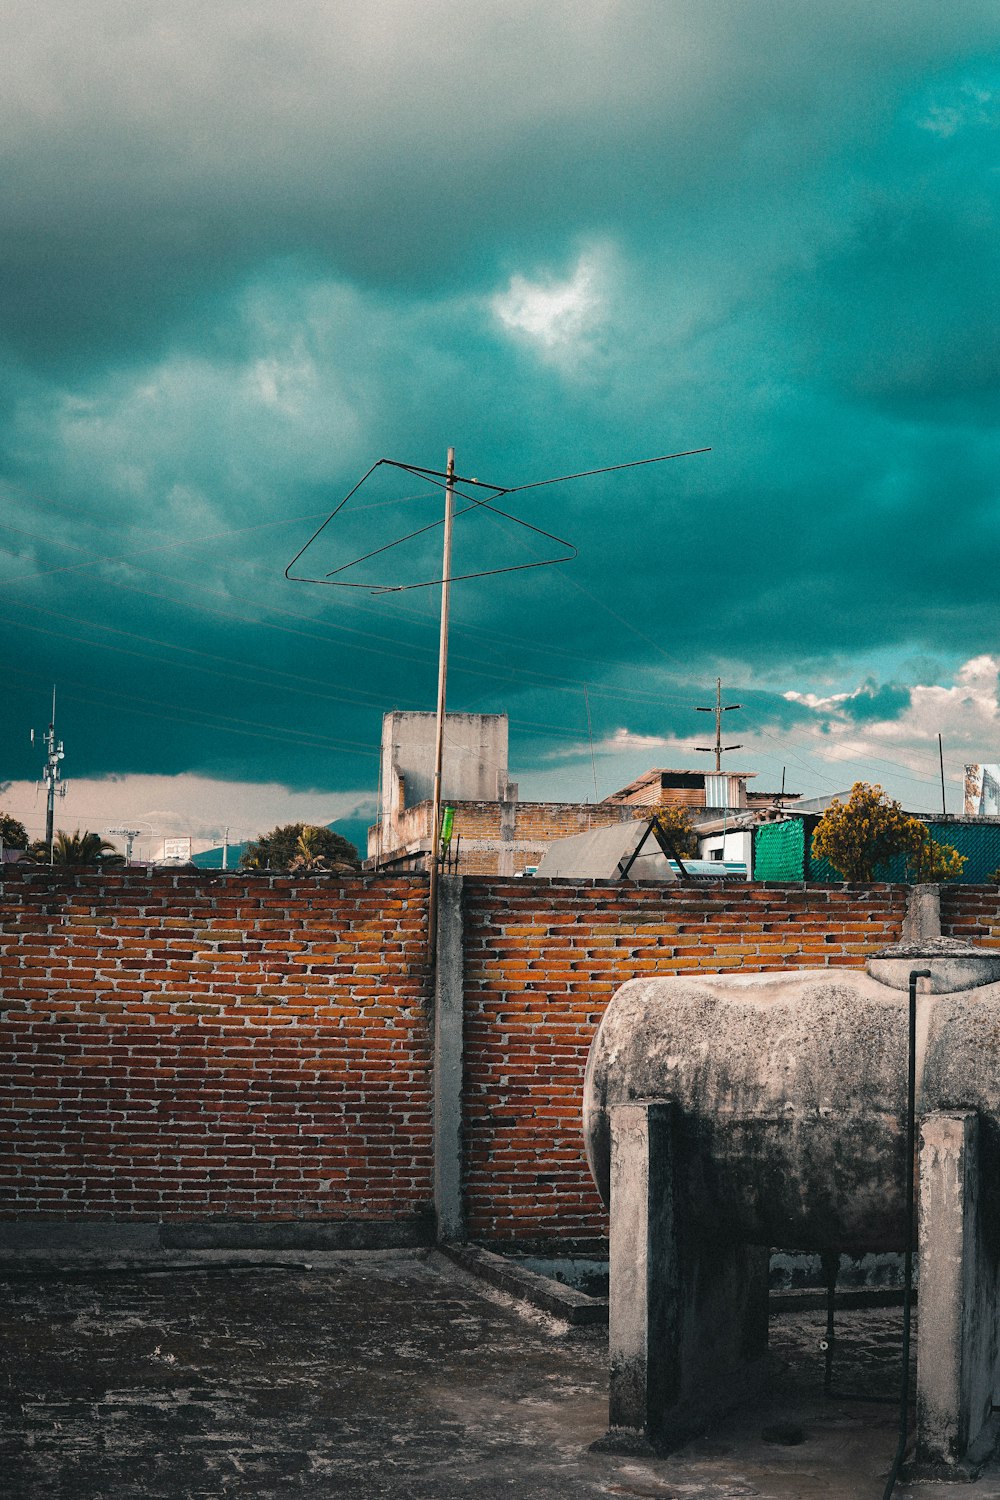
[642,1341]
[449,1007]
[922,921]
[687,1316]
[957,1323]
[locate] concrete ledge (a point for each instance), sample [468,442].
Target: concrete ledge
[527,1286]
[28,1236]
[177,1262]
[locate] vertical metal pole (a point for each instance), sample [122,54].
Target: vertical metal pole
[718,724]
[944,807]
[50,777]
[911,1135]
[432,905]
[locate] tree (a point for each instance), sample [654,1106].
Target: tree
[78,849]
[13,834]
[676,824]
[932,861]
[859,835]
[301,847]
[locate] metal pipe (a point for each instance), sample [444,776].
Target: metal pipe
[911,1121]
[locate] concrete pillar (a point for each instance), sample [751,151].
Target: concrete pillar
[922,921]
[643,1291]
[449,997]
[957,1320]
[687,1316]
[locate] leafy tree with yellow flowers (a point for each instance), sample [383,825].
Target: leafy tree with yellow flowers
[675,823]
[934,861]
[859,835]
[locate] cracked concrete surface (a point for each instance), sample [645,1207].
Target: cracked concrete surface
[390,1374]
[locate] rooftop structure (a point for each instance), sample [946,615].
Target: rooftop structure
[696,790]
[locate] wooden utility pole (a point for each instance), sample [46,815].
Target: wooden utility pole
[718,749]
[434,856]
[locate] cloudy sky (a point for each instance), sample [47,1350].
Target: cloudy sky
[252,247]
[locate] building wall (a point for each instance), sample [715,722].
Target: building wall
[500,838]
[474,764]
[201,1046]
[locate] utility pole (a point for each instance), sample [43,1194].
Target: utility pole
[718,749]
[54,787]
[434,857]
[225,850]
[944,805]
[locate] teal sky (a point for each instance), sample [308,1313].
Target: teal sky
[250,248]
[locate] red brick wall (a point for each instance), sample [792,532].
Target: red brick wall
[971,912]
[543,959]
[182,1046]
[188,1046]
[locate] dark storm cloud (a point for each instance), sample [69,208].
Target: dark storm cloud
[251,248]
[874,702]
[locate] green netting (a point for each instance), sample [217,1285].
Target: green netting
[778,850]
[979,842]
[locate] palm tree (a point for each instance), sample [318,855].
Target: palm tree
[78,849]
[308,856]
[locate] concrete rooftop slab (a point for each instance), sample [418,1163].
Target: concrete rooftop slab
[389,1374]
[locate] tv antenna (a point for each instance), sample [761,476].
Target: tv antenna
[129,835]
[484,499]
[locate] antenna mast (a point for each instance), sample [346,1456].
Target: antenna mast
[449,508]
[129,835]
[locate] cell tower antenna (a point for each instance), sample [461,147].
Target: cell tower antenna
[54,785]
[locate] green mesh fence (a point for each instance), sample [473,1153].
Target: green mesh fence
[979,842]
[781,851]
[778,850]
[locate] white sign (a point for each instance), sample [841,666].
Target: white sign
[177,848]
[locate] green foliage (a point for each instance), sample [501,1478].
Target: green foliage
[859,835]
[13,833]
[675,823]
[78,849]
[300,847]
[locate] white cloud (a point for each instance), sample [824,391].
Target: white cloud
[556,314]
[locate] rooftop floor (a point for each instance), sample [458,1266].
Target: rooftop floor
[388,1374]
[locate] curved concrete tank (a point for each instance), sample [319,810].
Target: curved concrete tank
[726,1113]
[791,1090]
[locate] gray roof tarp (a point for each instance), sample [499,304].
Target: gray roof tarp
[600,854]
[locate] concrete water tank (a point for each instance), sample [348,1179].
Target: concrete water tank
[727,1114]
